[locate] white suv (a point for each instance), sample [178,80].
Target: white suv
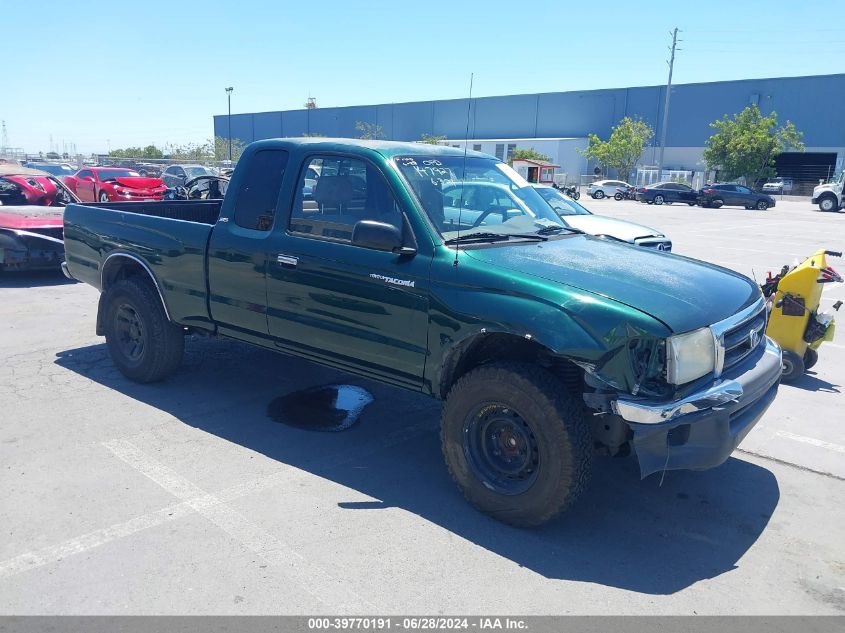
[605,188]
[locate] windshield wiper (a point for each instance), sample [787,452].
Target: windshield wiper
[554,229]
[494,237]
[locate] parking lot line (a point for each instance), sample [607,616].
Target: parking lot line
[811,441]
[309,576]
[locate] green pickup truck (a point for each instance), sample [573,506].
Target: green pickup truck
[444,273]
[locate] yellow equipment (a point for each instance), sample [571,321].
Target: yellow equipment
[795,322]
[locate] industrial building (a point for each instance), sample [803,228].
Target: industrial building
[557,123]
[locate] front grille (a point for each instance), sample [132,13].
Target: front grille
[742,339]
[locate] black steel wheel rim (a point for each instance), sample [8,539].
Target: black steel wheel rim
[501,449]
[131,337]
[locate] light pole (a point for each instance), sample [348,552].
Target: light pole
[229,120]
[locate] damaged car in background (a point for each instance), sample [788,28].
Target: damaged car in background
[31,208]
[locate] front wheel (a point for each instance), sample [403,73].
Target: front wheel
[104,197]
[692,204]
[828,203]
[793,367]
[762,205]
[576,195]
[811,357]
[144,345]
[516,442]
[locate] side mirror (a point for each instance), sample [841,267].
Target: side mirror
[379,236]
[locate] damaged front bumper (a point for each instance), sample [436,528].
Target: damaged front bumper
[702,430]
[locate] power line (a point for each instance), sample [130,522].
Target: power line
[671,63]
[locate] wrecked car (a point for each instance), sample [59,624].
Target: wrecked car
[31,208]
[446,273]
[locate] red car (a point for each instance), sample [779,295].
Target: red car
[114,184]
[31,208]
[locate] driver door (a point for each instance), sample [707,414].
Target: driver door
[357,307]
[85,186]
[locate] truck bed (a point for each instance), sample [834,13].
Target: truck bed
[201,211]
[168,238]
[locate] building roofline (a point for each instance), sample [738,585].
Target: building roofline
[540,94]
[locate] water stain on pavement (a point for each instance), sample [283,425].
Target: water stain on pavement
[324,408]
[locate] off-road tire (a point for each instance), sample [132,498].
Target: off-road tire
[163,341]
[793,367]
[558,422]
[811,357]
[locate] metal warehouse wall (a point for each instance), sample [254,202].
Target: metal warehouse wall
[813,103]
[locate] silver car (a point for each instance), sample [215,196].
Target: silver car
[605,188]
[578,217]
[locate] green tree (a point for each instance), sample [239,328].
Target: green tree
[746,144]
[371,131]
[431,139]
[220,148]
[528,154]
[623,149]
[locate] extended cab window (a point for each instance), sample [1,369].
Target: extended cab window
[256,199]
[335,192]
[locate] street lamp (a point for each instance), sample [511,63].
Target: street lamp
[229,119]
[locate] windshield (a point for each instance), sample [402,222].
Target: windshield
[489,197]
[108,174]
[193,172]
[560,203]
[56,170]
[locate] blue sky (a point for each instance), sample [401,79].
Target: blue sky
[102,74]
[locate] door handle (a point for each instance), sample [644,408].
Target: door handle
[287,260]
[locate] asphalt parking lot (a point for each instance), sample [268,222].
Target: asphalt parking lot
[186,498]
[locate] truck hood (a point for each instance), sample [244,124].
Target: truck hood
[683,293]
[602,225]
[818,189]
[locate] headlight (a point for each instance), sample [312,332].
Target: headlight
[690,356]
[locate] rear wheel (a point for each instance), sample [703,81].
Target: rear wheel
[762,205]
[576,195]
[716,203]
[692,204]
[793,366]
[104,197]
[811,357]
[599,194]
[516,442]
[144,345]
[658,199]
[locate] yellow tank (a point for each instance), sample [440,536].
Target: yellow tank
[794,320]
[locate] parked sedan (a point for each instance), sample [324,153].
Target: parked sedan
[605,188]
[721,194]
[104,184]
[177,175]
[668,192]
[56,169]
[578,217]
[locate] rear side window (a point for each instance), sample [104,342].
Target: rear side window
[255,202]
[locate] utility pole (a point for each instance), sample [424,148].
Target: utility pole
[671,63]
[229,120]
